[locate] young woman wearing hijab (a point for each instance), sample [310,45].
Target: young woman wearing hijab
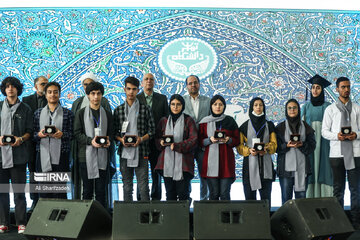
[321,181]
[219,161]
[176,161]
[293,163]
[258,170]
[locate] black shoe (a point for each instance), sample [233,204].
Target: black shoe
[32,207]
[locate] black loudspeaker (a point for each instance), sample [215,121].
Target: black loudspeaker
[232,220]
[69,219]
[151,220]
[311,218]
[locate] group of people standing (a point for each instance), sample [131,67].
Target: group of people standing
[314,155]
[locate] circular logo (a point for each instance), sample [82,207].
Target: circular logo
[8,139]
[296,138]
[49,130]
[259,147]
[346,131]
[220,135]
[186,56]
[130,139]
[102,140]
[168,139]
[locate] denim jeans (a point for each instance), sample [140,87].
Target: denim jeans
[219,188]
[353,176]
[178,190]
[142,177]
[287,188]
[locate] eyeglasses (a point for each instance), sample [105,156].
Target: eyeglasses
[292,108]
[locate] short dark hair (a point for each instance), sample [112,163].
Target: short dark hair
[11,81]
[93,86]
[38,78]
[341,79]
[132,80]
[49,84]
[192,76]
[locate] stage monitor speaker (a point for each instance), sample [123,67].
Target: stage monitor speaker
[232,220]
[151,220]
[69,219]
[311,218]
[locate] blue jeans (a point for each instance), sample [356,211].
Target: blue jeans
[219,188]
[287,188]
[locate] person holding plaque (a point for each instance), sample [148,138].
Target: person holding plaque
[296,142]
[16,128]
[257,143]
[321,180]
[176,138]
[341,126]
[93,123]
[53,131]
[133,127]
[218,134]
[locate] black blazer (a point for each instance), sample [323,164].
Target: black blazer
[32,102]
[159,107]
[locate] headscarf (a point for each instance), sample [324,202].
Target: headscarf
[180,99]
[257,122]
[319,100]
[294,122]
[213,100]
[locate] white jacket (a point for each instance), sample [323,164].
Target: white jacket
[331,127]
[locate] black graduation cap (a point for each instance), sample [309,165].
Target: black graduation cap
[317,79]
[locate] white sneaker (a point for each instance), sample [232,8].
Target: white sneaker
[3,228]
[21,229]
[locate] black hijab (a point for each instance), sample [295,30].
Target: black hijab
[180,99]
[213,100]
[294,122]
[257,121]
[319,100]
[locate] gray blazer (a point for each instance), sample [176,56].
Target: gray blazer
[204,108]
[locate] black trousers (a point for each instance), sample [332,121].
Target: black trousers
[178,190]
[17,175]
[265,191]
[89,184]
[353,176]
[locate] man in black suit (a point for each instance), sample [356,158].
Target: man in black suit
[158,105]
[35,101]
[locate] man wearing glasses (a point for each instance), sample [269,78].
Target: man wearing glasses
[197,106]
[35,101]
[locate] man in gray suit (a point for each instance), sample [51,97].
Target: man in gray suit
[198,107]
[159,108]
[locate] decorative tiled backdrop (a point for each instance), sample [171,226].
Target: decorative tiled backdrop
[266,53]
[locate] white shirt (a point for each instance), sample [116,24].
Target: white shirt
[331,127]
[195,104]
